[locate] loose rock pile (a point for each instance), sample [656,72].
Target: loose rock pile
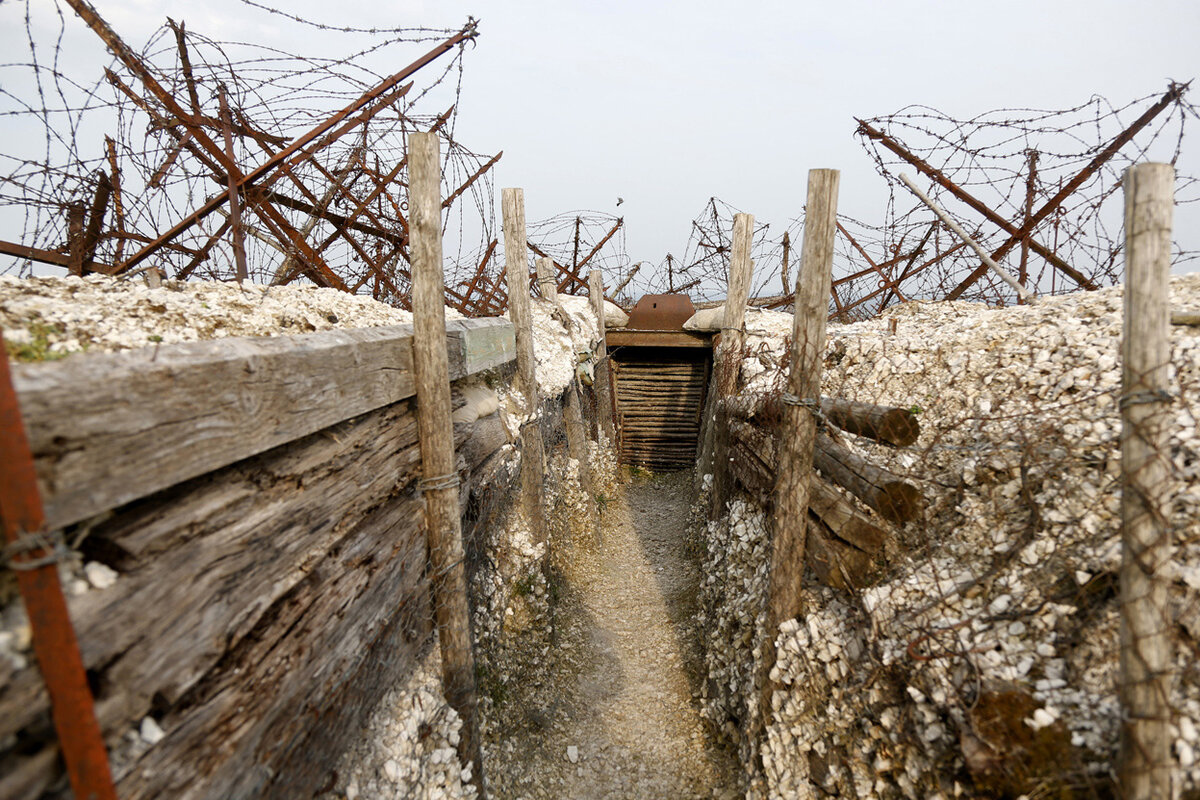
[993,631]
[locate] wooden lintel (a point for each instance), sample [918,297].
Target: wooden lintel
[618,337]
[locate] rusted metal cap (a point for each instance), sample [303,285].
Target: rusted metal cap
[661,312]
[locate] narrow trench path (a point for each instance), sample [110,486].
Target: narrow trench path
[618,715]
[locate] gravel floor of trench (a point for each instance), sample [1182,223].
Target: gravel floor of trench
[618,716]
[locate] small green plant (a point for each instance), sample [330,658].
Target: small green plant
[915,409]
[601,500]
[154,337]
[38,346]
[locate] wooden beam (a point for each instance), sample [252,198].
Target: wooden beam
[160,415]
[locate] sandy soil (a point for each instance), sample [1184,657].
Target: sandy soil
[622,690]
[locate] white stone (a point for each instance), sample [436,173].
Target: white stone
[150,731]
[573,754]
[99,575]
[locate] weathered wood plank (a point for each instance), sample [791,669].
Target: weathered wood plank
[159,416]
[244,537]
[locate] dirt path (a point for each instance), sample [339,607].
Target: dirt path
[618,716]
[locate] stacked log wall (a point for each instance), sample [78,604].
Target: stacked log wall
[267,539]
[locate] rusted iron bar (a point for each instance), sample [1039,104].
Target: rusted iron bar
[479,173]
[570,279]
[32,555]
[118,201]
[868,270]
[1173,93]
[912,259]
[885,281]
[783,273]
[186,63]
[169,161]
[202,254]
[575,256]
[376,177]
[938,177]
[301,145]
[235,203]
[1030,193]
[280,199]
[319,212]
[601,243]
[345,192]
[95,221]
[925,265]
[76,214]
[283,230]
[633,272]
[240,128]
[480,271]
[949,222]
[38,254]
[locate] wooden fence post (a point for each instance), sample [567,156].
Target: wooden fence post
[798,429]
[572,409]
[603,384]
[440,483]
[1145,763]
[727,357]
[516,269]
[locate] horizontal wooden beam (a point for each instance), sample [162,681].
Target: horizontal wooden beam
[623,337]
[107,429]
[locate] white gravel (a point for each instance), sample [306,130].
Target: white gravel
[1019,415]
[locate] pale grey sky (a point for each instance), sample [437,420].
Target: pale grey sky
[667,104]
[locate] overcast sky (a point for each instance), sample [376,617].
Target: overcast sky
[667,104]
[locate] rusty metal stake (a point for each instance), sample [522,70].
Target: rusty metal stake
[35,560]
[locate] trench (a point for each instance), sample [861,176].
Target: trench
[617,711]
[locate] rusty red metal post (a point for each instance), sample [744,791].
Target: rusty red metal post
[35,561]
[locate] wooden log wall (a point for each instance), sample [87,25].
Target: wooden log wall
[659,406]
[263,605]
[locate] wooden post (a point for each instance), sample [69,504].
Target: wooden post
[1145,762]
[440,484]
[727,358]
[573,408]
[235,203]
[516,267]
[603,384]
[76,213]
[798,431]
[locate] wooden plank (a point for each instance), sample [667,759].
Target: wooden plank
[161,415]
[486,343]
[624,337]
[248,542]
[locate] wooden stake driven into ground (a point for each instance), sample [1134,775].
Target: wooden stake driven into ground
[603,383]
[516,267]
[1145,764]
[728,355]
[440,484]
[572,407]
[798,432]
